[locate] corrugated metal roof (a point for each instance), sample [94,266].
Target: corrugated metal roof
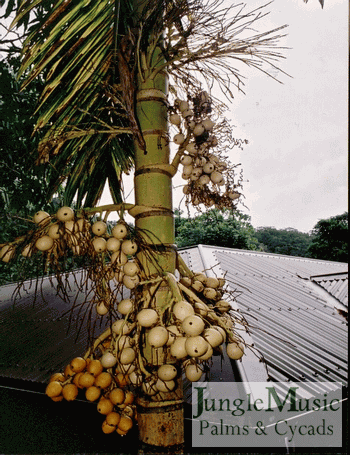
[334,283]
[300,335]
[277,298]
[40,338]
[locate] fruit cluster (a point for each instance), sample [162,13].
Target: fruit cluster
[210,177]
[100,384]
[150,340]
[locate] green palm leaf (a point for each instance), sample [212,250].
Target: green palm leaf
[84,132]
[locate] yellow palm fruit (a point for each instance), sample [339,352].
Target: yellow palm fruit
[113,418]
[104,406]
[70,392]
[92,393]
[103,380]
[78,364]
[125,423]
[86,380]
[53,389]
[95,367]
[117,396]
[106,428]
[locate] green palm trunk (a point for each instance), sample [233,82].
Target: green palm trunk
[160,421]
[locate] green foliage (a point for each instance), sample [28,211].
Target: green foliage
[23,185]
[227,229]
[283,241]
[331,239]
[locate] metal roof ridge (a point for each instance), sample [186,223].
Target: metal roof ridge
[262,253]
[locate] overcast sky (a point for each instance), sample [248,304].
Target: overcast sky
[296,160]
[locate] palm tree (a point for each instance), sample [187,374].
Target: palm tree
[114,70]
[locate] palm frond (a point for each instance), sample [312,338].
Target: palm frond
[74,48]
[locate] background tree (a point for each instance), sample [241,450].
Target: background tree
[283,241]
[330,239]
[227,229]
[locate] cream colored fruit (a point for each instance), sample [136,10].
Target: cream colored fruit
[127,355]
[208,168]
[186,160]
[216,177]
[175,119]
[108,360]
[213,336]
[235,350]
[187,171]
[101,308]
[158,336]
[173,333]
[193,325]
[7,252]
[209,293]
[122,342]
[121,327]
[129,247]
[204,179]
[198,286]
[119,258]
[113,244]
[44,243]
[99,244]
[207,355]
[149,388]
[99,228]
[193,372]
[165,386]
[167,372]
[120,231]
[125,369]
[70,227]
[178,348]
[198,130]
[27,251]
[201,308]
[41,217]
[196,346]
[65,214]
[125,306]
[191,148]
[183,106]
[212,282]
[182,309]
[130,268]
[147,317]
[131,282]
[54,231]
[135,378]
